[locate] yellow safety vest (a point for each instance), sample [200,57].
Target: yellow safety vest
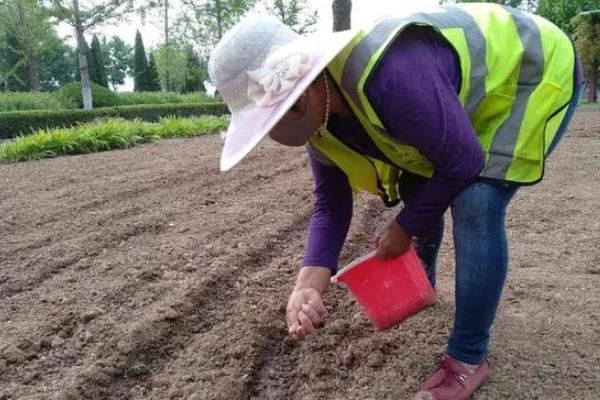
[517,81]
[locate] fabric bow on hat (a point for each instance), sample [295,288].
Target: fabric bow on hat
[278,75]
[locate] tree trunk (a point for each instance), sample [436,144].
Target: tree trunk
[592,78]
[342,12]
[32,66]
[166,21]
[34,78]
[86,90]
[219,12]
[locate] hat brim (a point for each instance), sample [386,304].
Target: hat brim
[250,125]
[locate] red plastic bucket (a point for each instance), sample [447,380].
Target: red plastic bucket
[389,291]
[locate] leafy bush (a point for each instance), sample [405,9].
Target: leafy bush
[153,112]
[101,96]
[129,98]
[24,122]
[16,101]
[106,135]
[70,97]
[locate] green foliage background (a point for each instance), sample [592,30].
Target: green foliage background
[17,123]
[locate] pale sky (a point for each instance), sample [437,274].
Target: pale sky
[363,13]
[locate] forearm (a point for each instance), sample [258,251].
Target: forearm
[330,221]
[422,212]
[327,234]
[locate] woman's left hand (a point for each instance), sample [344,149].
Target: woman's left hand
[394,242]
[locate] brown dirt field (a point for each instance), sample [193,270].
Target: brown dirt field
[147,274]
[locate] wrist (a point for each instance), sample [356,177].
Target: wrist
[411,224]
[313,277]
[398,228]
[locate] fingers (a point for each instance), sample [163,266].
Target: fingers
[376,242]
[307,325]
[317,305]
[382,252]
[299,327]
[314,316]
[304,318]
[388,250]
[382,248]
[388,253]
[292,319]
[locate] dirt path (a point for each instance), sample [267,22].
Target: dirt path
[146,274]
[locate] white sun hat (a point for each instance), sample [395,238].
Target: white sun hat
[261,67]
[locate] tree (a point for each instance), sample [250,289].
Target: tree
[98,70]
[166,14]
[14,77]
[3,61]
[82,17]
[171,63]
[525,4]
[154,80]
[561,12]
[295,13]
[163,8]
[205,21]
[141,79]
[28,26]
[55,63]
[196,71]
[586,33]
[342,12]
[52,57]
[118,54]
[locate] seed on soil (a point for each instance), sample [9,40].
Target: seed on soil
[375,359]
[90,315]
[44,344]
[347,359]
[123,347]
[138,370]
[175,394]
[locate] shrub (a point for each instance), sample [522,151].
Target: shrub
[101,96]
[106,135]
[16,101]
[24,122]
[70,97]
[153,112]
[128,98]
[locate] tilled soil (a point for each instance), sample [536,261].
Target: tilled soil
[147,274]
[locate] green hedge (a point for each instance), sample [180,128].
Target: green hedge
[132,98]
[15,123]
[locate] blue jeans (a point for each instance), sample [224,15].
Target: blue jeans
[481,252]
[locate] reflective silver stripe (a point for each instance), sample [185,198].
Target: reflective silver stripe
[448,17]
[362,54]
[531,74]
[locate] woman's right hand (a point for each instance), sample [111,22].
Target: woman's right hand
[305,311]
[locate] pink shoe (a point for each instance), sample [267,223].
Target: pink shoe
[452,381]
